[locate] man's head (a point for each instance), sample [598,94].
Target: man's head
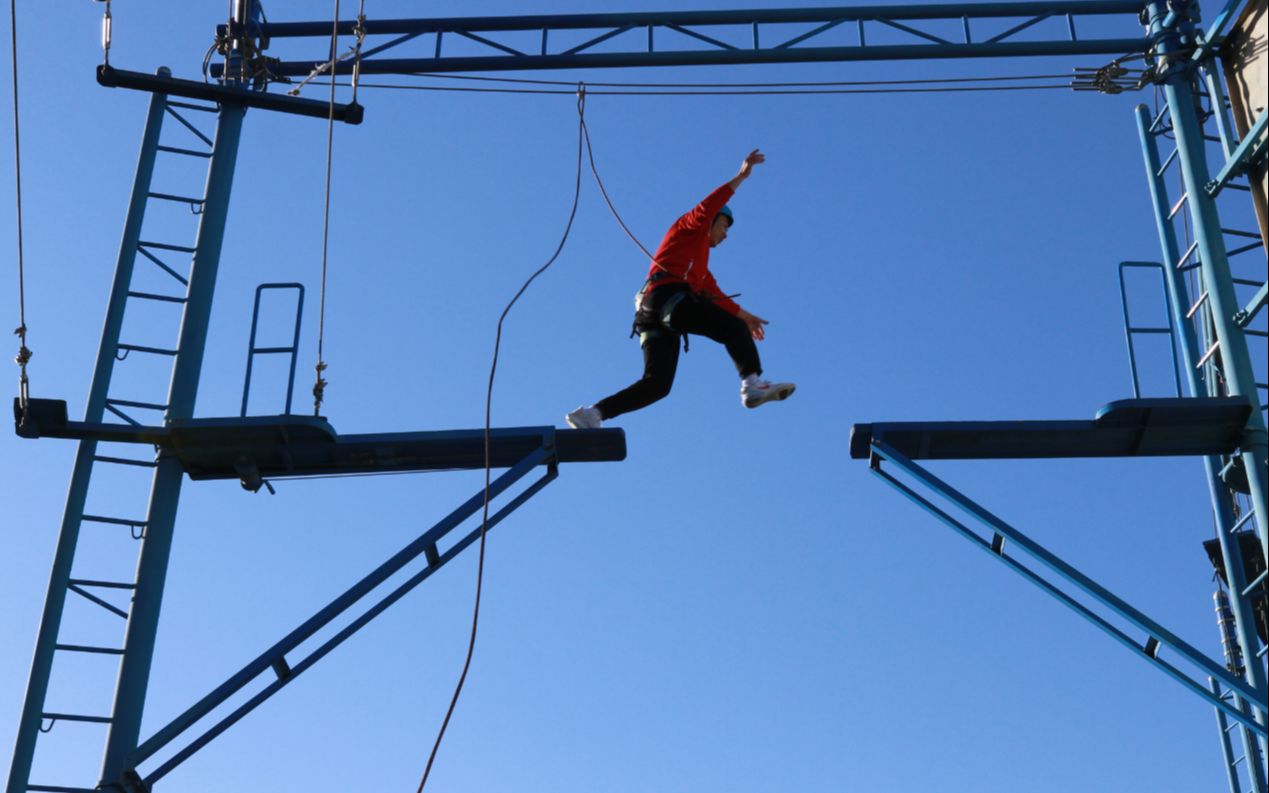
[722,222]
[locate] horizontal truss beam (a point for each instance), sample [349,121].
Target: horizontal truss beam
[709,33]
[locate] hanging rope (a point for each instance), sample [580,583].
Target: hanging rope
[493,368]
[590,153]
[24,353]
[319,386]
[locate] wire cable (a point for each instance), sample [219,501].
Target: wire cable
[818,84]
[711,92]
[319,386]
[493,368]
[24,354]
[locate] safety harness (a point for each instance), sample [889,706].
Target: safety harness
[648,324]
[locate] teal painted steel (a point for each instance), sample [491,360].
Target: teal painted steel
[716,51]
[68,539]
[293,350]
[134,668]
[275,657]
[1131,330]
[1156,634]
[1216,276]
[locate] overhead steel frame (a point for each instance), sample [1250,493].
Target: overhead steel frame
[724,37]
[895,20]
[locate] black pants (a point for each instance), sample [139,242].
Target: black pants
[694,315]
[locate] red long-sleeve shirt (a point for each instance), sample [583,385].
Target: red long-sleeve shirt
[683,257]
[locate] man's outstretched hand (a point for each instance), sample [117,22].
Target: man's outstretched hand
[755,324]
[754,157]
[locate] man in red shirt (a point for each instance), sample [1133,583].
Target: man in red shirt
[680,297]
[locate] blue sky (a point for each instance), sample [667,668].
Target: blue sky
[737,606]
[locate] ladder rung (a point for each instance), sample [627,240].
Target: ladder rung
[113,521]
[1247,282]
[1180,265]
[60,789]
[187,152]
[76,717]
[192,106]
[1197,305]
[163,246]
[124,461]
[268,350]
[1246,516]
[1210,352]
[1258,333]
[1180,203]
[101,584]
[1259,580]
[1251,247]
[131,404]
[151,350]
[1150,330]
[152,296]
[1251,235]
[1171,157]
[180,199]
[83,648]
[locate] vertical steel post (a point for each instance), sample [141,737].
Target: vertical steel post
[1217,278]
[134,666]
[1217,281]
[1231,554]
[54,603]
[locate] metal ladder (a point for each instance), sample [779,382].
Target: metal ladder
[109,582]
[1197,326]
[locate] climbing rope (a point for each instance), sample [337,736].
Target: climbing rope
[590,153]
[319,386]
[24,353]
[493,368]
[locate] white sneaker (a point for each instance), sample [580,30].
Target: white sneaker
[754,392]
[584,418]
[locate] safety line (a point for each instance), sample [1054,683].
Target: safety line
[493,368]
[590,153]
[24,354]
[590,86]
[744,92]
[319,387]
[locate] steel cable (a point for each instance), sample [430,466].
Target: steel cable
[493,368]
[24,354]
[319,386]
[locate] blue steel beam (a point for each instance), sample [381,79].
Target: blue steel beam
[1226,523]
[1215,272]
[1002,532]
[1248,152]
[275,657]
[76,497]
[143,618]
[687,24]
